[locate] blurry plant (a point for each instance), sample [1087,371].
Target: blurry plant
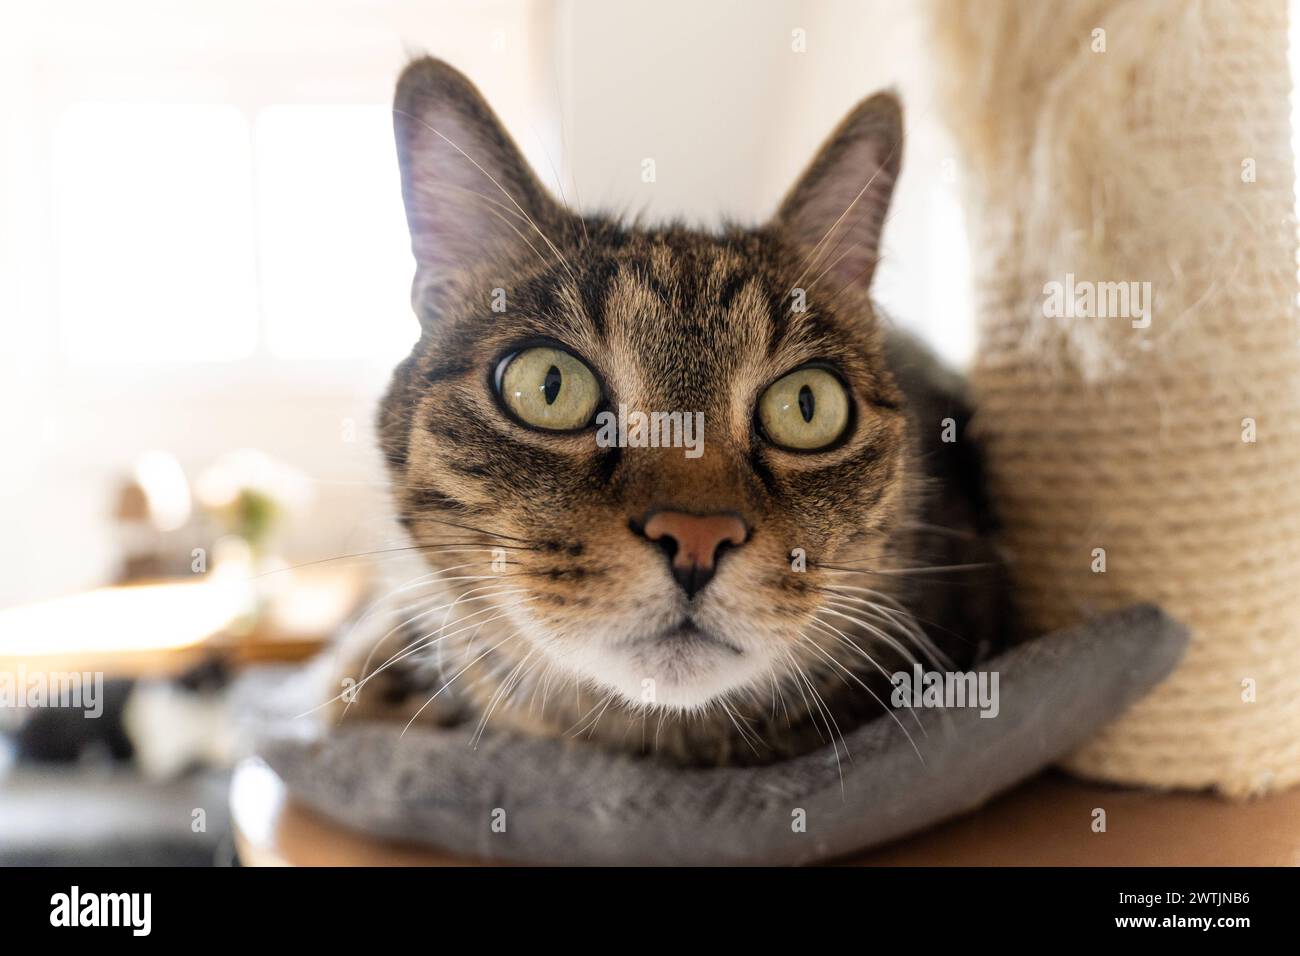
[249,492]
[255,515]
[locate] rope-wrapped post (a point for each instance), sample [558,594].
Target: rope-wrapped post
[1130,187]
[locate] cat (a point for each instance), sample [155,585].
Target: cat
[740,605]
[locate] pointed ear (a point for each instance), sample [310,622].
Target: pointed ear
[838,205]
[468,191]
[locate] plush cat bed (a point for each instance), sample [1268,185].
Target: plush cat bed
[560,801]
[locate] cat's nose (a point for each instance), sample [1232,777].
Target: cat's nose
[693,543]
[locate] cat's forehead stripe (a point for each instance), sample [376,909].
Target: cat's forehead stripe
[683,281]
[593,288]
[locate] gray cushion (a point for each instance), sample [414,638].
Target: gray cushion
[568,802]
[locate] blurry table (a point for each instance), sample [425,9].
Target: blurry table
[158,629]
[1044,822]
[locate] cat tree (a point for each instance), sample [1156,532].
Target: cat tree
[1152,458]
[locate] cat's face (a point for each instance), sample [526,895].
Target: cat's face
[671,576]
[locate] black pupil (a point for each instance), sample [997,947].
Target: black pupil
[551,385]
[807,405]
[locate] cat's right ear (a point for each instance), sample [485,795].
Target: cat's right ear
[470,196]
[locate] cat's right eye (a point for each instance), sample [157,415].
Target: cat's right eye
[807,410]
[548,388]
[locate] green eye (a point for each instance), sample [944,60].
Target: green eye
[806,410]
[548,388]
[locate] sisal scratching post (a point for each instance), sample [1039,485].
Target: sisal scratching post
[1143,141]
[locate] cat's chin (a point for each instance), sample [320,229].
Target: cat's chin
[681,669]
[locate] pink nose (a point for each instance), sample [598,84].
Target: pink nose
[693,543]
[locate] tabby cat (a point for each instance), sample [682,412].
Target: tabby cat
[738,602]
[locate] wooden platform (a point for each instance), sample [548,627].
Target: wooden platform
[1046,822]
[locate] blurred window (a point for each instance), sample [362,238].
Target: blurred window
[154,233]
[185,235]
[336,263]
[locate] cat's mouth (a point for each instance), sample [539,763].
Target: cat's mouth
[681,666]
[688,633]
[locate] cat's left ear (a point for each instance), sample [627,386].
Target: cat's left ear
[838,205]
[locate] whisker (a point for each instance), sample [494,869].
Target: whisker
[902,618]
[802,681]
[745,733]
[933,569]
[427,640]
[829,608]
[448,606]
[453,678]
[578,727]
[499,695]
[382,602]
[355,688]
[876,697]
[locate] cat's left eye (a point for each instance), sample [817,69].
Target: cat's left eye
[548,388]
[806,410]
